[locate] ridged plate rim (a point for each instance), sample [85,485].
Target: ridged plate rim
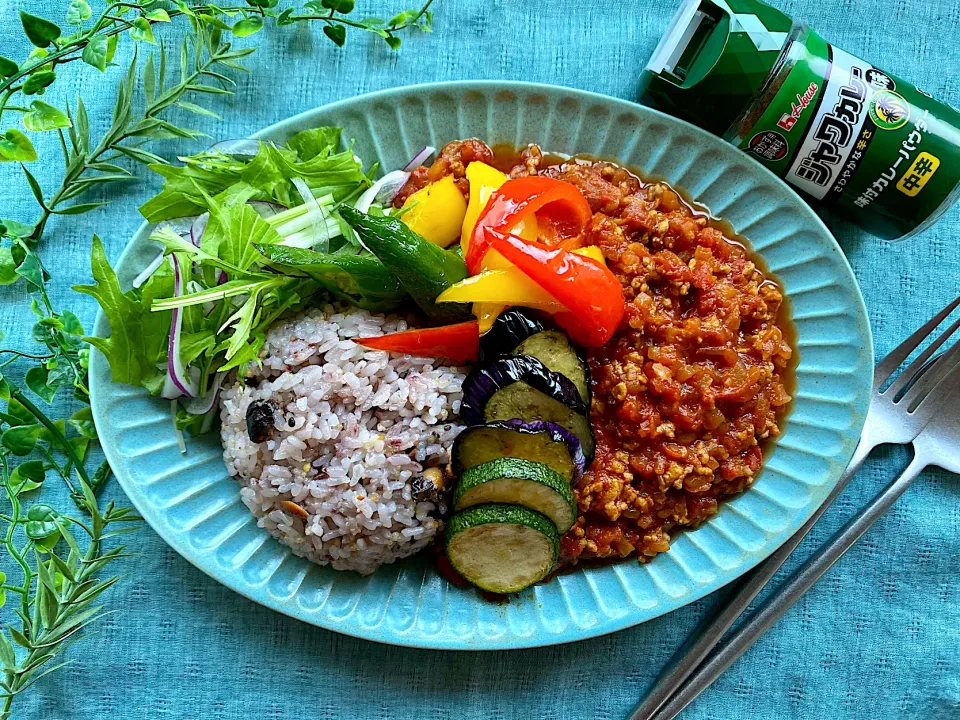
[674,578]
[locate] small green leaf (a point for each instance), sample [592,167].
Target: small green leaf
[284,17]
[7,67]
[4,388]
[77,12]
[112,47]
[41,522]
[14,145]
[20,440]
[263,3]
[18,414]
[33,470]
[158,15]
[48,606]
[17,229]
[402,18]
[82,422]
[19,484]
[39,31]
[393,41]
[337,33]
[81,208]
[71,323]
[7,655]
[141,30]
[45,117]
[95,53]
[340,6]
[31,271]
[36,379]
[38,81]
[246,27]
[45,434]
[19,638]
[8,269]
[197,109]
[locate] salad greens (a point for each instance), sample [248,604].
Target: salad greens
[263,235]
[57,561]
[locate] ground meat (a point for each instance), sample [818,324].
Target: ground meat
[453,160]
[527,163]
[691,384]
[695,380]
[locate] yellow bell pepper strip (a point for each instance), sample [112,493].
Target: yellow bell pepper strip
[459,342]
[592,295]
[484,180]
[436,212]
[500,288]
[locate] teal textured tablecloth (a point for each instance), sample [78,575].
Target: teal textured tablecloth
[879,637]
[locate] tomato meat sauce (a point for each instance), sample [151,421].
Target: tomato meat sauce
[697,378]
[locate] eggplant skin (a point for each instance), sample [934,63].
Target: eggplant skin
[510,329]
[485,380]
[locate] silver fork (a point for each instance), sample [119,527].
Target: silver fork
[896,416]
[937,444]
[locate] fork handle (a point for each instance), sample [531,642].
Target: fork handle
[787,594]
[703,639]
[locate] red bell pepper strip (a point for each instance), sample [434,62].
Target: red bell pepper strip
[459,342]
[560,207]
[591,293]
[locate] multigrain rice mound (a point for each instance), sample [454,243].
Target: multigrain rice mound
[351,431]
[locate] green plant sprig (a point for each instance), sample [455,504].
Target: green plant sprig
[62,555]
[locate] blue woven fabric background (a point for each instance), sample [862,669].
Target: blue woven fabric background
[878,638]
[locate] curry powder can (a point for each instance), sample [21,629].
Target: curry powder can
[866,144]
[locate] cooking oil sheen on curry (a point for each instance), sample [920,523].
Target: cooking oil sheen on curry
[872,147]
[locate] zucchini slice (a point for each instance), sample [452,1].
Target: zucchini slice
[553,349]
[520,400]
[518,482]
[542,442]
[502,548]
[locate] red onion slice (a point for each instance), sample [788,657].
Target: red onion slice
[420,158]
[266,209]
[176,373]
[181,225]
[383,190]
[208,401]
[241,147]
[198,227]
[148,271]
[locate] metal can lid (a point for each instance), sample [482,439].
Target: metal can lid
[713,59]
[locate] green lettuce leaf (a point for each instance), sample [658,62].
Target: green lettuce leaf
[234,230]
[138,336]
[316,141]
[209,172]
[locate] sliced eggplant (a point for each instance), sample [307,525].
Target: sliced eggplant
[553,349]
[502,548]
[518,482]
[538,441]
[510,329]
[520,386]
[521,400]
[487,379]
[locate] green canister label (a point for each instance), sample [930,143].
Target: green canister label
[869,145]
